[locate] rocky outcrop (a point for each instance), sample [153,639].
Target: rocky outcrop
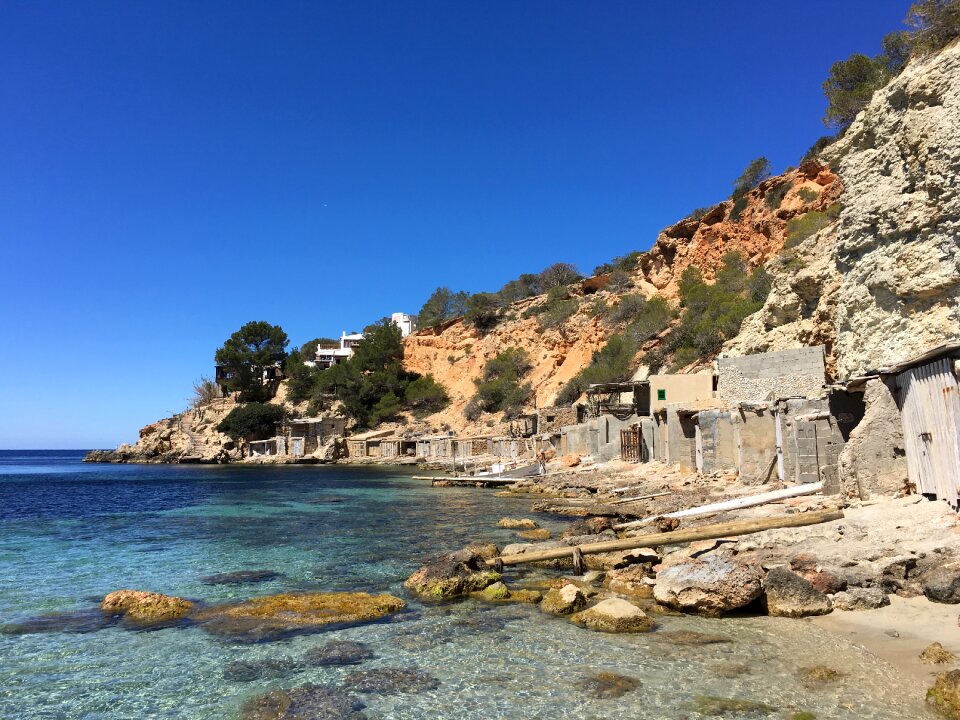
[936,654]
[898,239]
[455,574]
[944,696]
[942,584]
[873,461]
[710,586]
[614,616]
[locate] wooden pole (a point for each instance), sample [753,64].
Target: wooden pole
[707,532]
[735,504]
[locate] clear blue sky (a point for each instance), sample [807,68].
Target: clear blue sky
[171,170]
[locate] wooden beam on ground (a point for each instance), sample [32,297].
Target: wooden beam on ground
[707,532]
[641,497]
[735,504]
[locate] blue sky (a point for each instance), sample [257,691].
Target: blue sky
[169,171]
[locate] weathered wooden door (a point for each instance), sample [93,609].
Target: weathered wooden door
[296,446]
[930,411]
[630,444]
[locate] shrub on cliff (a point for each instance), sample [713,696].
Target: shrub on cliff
[300,377]
[425,396]
[205,391]
[612,363]
[483,311]
[555,310]
[252,421]
[713,313]
[559,275]
[808,224]
[933,24]
[499,389]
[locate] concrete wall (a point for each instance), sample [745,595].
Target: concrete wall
[769,376]
[811,444]
[599,437]
[758,445]
[680,389]
[718,437]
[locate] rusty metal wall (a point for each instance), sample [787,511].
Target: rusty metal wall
[930,411]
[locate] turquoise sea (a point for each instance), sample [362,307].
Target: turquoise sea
[70,533]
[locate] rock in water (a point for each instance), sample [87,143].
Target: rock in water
[789,595]
[563,601]
[518,524]
[631,580]
[79,621]
[276,616]
[710,586]
[538,534]
[307,702]
[606,685]
[455,575]
[390,681]
[145,609]
[240,577]
[944,696]
[338,652]
[269,669]
[691,637]
[942,585]
[937,654]
[614,616]
[860,599]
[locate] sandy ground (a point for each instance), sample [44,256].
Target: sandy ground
[899,632]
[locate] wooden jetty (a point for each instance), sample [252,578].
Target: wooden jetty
[466,480]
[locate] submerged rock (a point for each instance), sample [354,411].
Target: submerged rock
[608,685]
[691,637]
[338,652]
[936,654]
[563,601]
[275,616]
[789,595]
[713,706]
[79,621]
[240,577]
[268,669]
[499,592]
[944,696]
[860,599]
[614,616]
[817,676]
[710,586]
[538,534]
[307,702]
[145,609]
[390,681]
[456,574]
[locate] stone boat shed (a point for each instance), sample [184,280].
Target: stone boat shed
[909,439]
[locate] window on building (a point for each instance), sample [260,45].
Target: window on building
[661,394]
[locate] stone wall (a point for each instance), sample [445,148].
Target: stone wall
[799,372]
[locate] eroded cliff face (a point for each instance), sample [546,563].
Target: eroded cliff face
[898,239]
[455,355]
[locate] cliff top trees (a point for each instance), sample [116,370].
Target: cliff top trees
[441,306]
[246,353]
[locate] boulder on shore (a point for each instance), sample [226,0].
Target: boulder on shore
[860,599]
[942,584]
[631,580]
[789,595]
[614,616]
[145,608]
[563,601]
[936,654]
[456,574]
[710,586]
[944,696]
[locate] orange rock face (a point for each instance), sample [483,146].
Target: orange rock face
[455,353]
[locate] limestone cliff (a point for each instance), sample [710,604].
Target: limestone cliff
[883,282]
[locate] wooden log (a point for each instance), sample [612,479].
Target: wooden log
[707,532]
[735,504]
[621,501]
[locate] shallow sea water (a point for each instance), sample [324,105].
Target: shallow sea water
[70,533]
